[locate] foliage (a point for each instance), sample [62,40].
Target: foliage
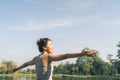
[27,71]
[86,66]
[7,66]
[118,54]
[99,67]
[118,61]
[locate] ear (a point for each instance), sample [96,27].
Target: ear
[44,48]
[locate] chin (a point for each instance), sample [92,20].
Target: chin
[51,51]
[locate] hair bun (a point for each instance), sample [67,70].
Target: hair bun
[42,42]
[39,41]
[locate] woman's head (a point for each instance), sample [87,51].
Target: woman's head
[45,44]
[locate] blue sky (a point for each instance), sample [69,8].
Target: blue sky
[71,24]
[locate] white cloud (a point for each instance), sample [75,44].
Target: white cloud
[89,21]
[110,23]
[72,5]
[80,4]
[45,25]
[98,21]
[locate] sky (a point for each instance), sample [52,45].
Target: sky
[71,25]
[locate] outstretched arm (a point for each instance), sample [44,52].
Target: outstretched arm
[85,52]
[57,57]
[31,62]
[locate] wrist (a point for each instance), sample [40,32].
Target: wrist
[82,54]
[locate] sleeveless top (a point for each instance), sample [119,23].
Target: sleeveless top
[39,69]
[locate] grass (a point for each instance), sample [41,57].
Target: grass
[118,75]
[66,75]
[56,75]
[61,77]
[17,75]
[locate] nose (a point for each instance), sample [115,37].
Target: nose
[53,46]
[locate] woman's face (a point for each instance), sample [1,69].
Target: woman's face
[49,47]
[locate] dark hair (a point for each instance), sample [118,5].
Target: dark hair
[42,42]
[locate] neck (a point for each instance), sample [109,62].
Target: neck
[45,52]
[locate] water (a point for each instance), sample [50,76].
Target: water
[59,78]
[88,78]
[17,78]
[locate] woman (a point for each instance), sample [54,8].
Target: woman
[43,62]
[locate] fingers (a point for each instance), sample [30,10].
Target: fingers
[94,53]
[90,52]
[86,50]
[14,70]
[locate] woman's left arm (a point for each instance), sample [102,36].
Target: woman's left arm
[85,52]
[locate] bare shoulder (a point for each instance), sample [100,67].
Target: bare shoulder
[44,56]
[51,55]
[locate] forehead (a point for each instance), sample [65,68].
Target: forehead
[49,42]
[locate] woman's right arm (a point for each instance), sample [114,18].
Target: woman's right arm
[31,62]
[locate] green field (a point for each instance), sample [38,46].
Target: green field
[63,77]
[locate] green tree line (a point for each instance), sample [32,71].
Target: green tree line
[91,66]
[87,66]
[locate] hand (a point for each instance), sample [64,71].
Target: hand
[89,52]
[14,70]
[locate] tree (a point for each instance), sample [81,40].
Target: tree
[59,69]
[109,57]
[118,66]
[7,66]
[118,54]
[113,64]
[99,67]
[84,65]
